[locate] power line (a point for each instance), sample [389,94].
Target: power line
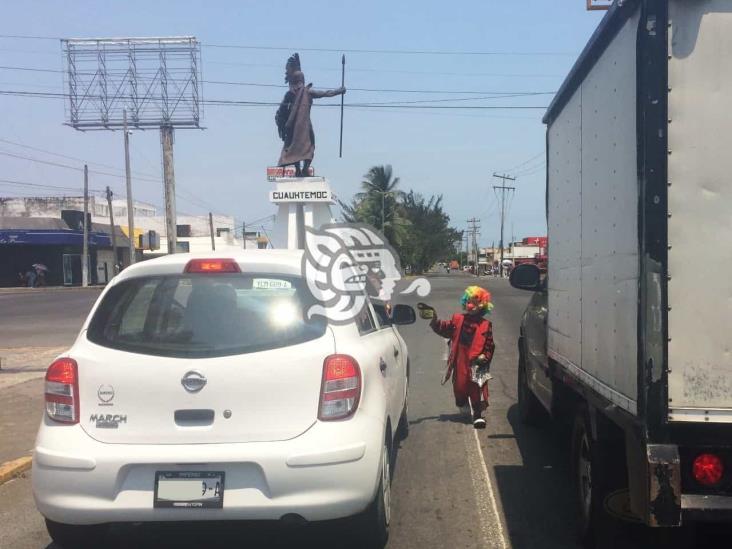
[67,166]
[336,50]
[29,37]
[241,103]
[367,90]
[396,71]
[22,145]
[384,90]
[18,183]
[514,168]
[391,51]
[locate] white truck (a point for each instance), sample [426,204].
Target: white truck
[628,335]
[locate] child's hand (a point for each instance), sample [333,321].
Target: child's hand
[482,359]
[426,311]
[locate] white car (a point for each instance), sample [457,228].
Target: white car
[197,389]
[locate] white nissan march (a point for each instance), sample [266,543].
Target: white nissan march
[198,389]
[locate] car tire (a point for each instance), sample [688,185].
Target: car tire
[529,407]
[72,536]
[403,427]
[375,520]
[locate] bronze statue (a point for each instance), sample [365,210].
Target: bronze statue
[293,118]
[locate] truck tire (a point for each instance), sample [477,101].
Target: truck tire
[587,478]
[598,472]
[529,407]
[72,536]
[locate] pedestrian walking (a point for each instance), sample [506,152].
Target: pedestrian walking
[30,278]
[471,351]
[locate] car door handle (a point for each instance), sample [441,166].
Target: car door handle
[396,352]
[382,365]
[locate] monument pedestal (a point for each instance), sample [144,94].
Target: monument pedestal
[302,202]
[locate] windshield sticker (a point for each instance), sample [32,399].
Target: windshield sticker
[271,284]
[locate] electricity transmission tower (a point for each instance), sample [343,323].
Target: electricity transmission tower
[503,188]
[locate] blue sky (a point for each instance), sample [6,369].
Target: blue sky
[449,152]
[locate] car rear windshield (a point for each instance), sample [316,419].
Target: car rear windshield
[204,315]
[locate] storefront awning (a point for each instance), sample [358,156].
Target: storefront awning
[40,237]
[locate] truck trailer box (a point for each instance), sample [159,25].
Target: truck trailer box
[639,184]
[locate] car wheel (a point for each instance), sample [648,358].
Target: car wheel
[530,409]
[403,427]
[375,525]
[72,536]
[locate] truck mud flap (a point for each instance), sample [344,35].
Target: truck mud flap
[664,477]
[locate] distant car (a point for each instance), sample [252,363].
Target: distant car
[198,389]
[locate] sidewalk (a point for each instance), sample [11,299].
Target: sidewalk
[21,410]
[21,364]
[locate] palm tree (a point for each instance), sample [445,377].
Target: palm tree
[380,194]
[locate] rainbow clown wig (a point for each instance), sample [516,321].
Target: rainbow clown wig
[476,300]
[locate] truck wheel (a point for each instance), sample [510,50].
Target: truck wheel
[375,520]
[599,474]
[587,477]
[530,409]
[72,536]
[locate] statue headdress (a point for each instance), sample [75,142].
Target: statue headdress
[292,66]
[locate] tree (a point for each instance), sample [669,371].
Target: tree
[379,201]
[417,228]
[430,237]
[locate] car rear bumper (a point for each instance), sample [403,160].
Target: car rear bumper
[328,472]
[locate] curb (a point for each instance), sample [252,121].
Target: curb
[43,289]
[14,468]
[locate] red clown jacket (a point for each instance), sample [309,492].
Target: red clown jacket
[482,338]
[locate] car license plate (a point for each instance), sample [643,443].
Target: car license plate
[189,489]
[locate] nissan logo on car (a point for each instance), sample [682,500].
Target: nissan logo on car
[193,381]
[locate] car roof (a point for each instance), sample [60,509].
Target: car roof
[255,261]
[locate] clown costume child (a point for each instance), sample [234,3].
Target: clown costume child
[471,351]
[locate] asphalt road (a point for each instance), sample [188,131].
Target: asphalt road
[44,317]
[505,487]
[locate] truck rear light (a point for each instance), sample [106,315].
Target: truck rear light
[62,391]
[708,469]
[340,390]
[212,266]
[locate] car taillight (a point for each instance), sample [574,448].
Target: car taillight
[62,391]
[341,387]
[708,469]
[212,266]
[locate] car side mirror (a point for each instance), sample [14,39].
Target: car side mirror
[526,277]
[403,314]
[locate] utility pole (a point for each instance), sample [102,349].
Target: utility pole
[111,229]
[166,136]
[85,245]
[210,227]
[503,189]
[473,231]
[128,177]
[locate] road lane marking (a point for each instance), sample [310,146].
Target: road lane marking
[491,525]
